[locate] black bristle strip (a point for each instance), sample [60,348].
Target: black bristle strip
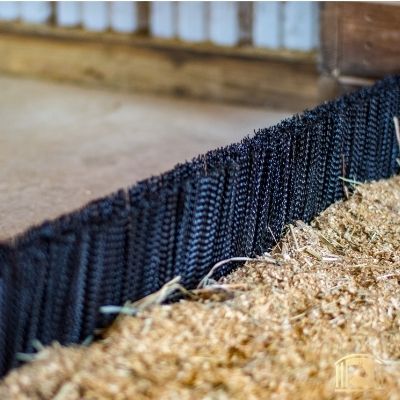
[231,202]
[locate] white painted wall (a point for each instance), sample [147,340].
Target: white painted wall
[68,13]
[267,26]
[35,12]
[163,19]
[291,25]
[124,16]
[224,23]
[9,10]
[192,21]
[299,25]
[96,15]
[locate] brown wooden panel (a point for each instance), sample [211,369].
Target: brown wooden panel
[238,75]
[360,39]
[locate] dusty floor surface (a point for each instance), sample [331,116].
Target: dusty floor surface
[272,330]
[61,145]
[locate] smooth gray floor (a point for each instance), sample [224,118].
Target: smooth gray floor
[61,145]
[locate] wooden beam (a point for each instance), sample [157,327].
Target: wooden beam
[245,22]
[360,40]
[244,75]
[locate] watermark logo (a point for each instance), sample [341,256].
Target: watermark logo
[357,373]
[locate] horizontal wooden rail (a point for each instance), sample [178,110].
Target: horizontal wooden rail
[246,75]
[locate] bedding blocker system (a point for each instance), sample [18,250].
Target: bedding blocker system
[231,202]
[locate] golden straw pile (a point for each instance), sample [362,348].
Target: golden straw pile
[271,330]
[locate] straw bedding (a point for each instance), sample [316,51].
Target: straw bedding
[272,329]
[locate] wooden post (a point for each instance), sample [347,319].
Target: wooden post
[359,44]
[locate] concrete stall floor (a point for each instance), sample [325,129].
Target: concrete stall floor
[62,145]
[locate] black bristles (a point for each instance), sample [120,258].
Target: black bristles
[231,202]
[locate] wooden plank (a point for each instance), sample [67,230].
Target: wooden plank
[299,25]
[224,23]
[257,78]
[9,10]
[109,37]
[96,16]
[267,24]
[192,21]
[329,37]
[245,22]
[35,12]
[163,19]
[360,40]
[68,13]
